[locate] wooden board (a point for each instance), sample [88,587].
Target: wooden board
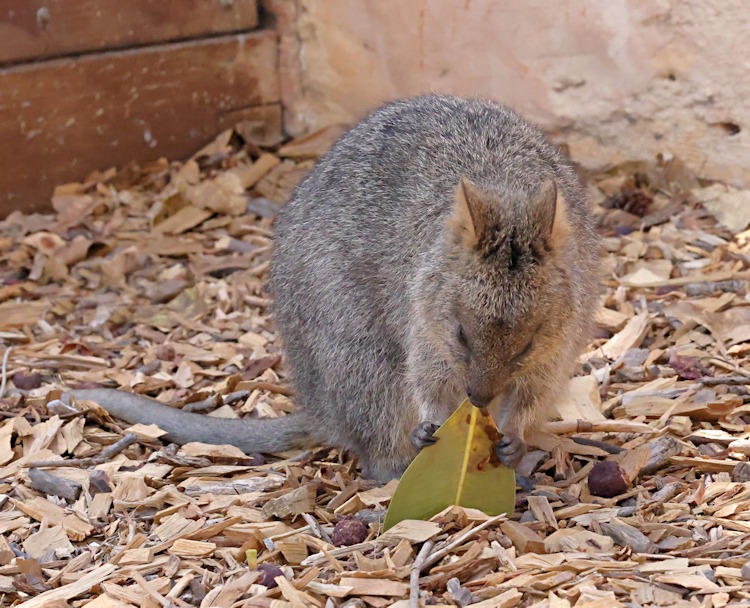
[32,29]
[61,119]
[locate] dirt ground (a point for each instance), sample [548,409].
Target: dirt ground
[152,278]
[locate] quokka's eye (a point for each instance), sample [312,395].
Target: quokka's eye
[525,351]
[461,335]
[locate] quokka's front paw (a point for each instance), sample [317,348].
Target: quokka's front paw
[424,434]
[510,450]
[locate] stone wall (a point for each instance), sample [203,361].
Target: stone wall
[613,79]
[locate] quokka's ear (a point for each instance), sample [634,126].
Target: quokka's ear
[554,214]
[469,217]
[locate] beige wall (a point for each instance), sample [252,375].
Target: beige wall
[614,79]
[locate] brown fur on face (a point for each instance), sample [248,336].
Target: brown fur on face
[513,298]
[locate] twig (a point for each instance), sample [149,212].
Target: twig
[562,427]
[415,571]
[267,386]
[117,447]
[728,380]
[102,457]
[716,277]
[703,289]
[277,467]
[321,558]
[5,371]
[180,585]
[607,447]
[440,554]
[292,532]
[52,484]
[215,401]
[209,403]
[153,593]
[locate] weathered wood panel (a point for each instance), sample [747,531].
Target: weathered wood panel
[64,118]
[43,28]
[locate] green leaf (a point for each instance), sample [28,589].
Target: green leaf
[461,468]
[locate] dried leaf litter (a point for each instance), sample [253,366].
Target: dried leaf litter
[152,278]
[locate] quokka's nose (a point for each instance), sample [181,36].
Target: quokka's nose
[478,399]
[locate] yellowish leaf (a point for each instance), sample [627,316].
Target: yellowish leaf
[460,469]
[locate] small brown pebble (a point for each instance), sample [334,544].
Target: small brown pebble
[269,572]
[349,531]
[165,352]
[26,381]
[607,479]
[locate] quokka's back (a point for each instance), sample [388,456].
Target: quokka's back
[371,269]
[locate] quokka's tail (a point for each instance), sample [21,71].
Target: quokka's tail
[266,435]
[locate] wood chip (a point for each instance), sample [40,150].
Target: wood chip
[192,548]
[71,590]
[506,599]
[43,510]
[146,432]
[374,586]
[524,539]
[52,539]
[629,337]
[411,530]
[151,278]
[628,536]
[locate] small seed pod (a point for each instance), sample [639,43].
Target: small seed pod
[26,381]
[607,480]
[349,531]
[269,573]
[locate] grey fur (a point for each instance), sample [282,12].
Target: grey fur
[266,435]
[367,277]
[370,281]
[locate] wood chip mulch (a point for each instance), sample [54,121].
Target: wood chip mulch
[152,278]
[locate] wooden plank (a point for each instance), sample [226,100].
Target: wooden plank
[61,119]
[32,29]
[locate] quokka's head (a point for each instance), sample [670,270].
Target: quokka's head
[506,302]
